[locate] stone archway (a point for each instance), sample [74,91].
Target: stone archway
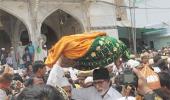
[5,41]
[60,24]
[12,26]
[24,37]
[50,35]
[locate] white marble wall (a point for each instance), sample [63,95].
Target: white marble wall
[102,18]
[92,16]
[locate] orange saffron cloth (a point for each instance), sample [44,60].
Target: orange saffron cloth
[72,46]
[154,82]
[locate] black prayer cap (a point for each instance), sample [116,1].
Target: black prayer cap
[101,73]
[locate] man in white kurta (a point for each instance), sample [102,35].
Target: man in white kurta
[102,89]
[92,94]
[55,76]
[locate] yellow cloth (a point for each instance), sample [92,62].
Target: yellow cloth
[72,47]
[77,86]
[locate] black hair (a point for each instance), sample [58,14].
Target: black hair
[30,42]
[101,73]
[27,64]
[162,65]
[164,79]
[156,58]
[36,65]
[28,82]
[17,77]
[43,92]
[26,49]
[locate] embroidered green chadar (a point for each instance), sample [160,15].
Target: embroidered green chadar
[103,51]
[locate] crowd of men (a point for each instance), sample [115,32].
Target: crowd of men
[21,55]
[33,80]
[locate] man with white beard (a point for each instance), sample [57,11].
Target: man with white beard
[101,89]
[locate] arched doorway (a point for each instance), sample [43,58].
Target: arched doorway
[24,37]
[5,41]
[49,34]
[12,27]
[59,24]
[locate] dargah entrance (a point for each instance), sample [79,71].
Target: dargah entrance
[59,24]
[12,29]
[46,21]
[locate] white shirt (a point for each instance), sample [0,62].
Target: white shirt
[127,98]
[20,53]
[3,95]
[45,53]
[92,94]
[116,71]
[73,73]
[112,94]
[156,69]
[9,60]
[55,76]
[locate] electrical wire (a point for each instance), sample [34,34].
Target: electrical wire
[132,17]
[129,7]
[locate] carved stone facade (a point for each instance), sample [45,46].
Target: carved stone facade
[55,18]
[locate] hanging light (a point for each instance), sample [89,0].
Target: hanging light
[60,17]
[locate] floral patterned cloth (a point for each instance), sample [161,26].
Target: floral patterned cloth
[88,51]
[71,47]
[103,51]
